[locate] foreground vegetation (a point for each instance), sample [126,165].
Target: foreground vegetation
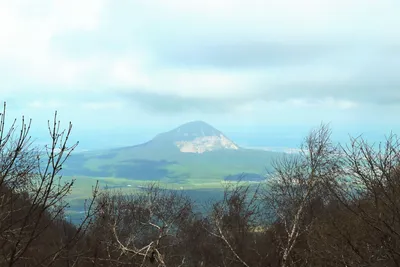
[328,206]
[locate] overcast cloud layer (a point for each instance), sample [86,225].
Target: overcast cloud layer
[128,65]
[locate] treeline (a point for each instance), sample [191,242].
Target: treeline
[329,205]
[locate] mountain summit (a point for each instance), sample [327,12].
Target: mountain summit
[196,137]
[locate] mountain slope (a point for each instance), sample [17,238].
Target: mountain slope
[193,152]
[192,137]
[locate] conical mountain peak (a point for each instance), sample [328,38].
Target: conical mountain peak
[196,137]
[196,129]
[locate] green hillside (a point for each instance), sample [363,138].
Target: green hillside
[161,160]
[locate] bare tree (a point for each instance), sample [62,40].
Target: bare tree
[141,228]
[368,193]
[237,224]
[297,181]
[32,196]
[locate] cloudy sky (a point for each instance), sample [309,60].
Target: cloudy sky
[263,71]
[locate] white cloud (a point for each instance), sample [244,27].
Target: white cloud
[219,83]
[29,28]
[173,48]
[325,103]
[287,20]
[126,73]
[200,83]
[27,43]
[110,105]
[50,104]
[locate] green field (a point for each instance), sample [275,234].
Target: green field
[187,169]
[127,169]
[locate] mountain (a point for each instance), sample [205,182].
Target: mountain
[194,153]
[194,137]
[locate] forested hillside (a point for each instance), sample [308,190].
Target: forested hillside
[330,205]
